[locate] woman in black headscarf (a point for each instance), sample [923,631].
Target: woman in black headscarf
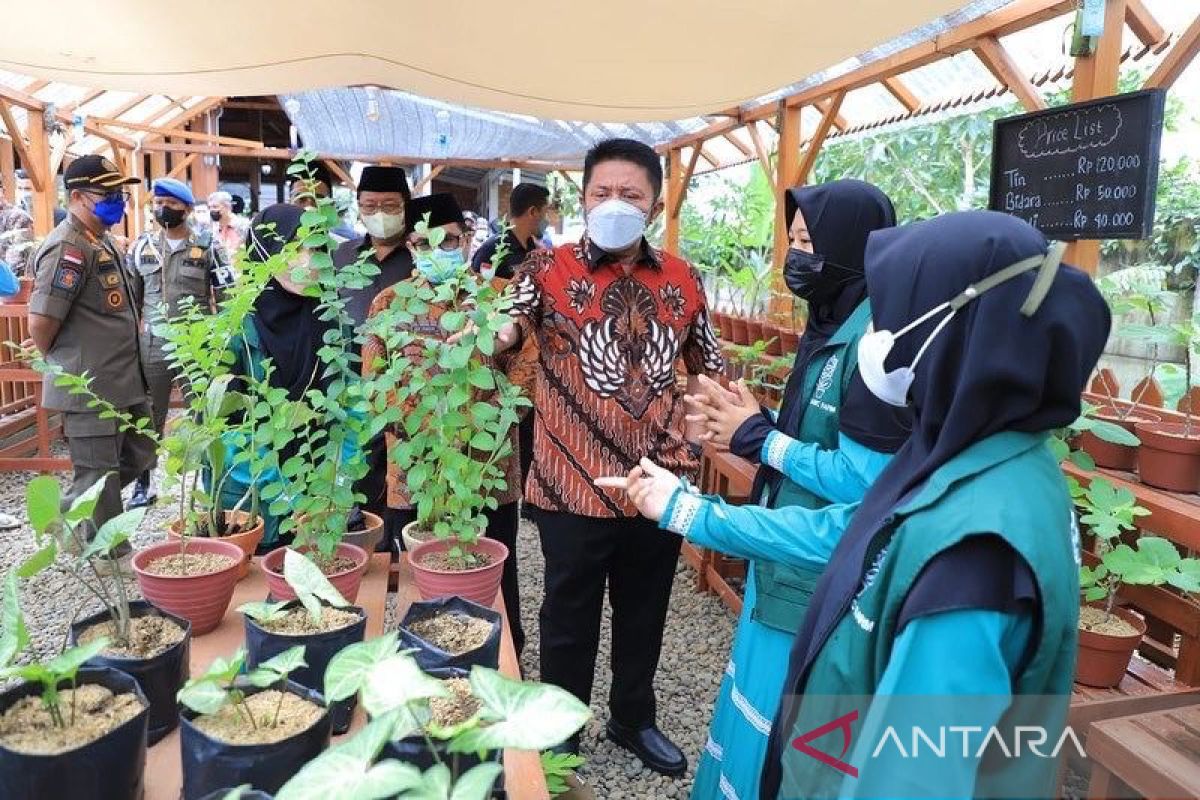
[807,465]
[284,327]
[956,580]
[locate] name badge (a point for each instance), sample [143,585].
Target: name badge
[196,253]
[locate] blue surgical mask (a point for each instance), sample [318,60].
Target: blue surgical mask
[109,211]
[439,266]
[615,225]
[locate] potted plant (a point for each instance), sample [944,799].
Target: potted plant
[451,632]
[1170,452]
[86,742]
[1106,437]
[142,641]
[453,411]
[320,619]
[508,714]
[1108,635]
[258,729]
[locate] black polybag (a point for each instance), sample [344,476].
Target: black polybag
[209,764]
[320,648]
[160,677]
[430,657]
[109,768]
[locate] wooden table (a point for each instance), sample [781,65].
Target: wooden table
[523,777]
[1156,755]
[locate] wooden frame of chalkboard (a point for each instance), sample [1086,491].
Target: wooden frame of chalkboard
[1081,171]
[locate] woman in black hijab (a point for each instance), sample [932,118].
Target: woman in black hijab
[284,327]
[956,580]
[807,465]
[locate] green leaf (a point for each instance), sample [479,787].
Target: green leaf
[15,636]
[477,782]
[347,772]
[85,505]
[286,662]
[1083,460]
[38,561]
[261,610]
[348,670]
[1113,433]
[43,501]
[1186,576]
[453,321]
[397,681]
[203,696]
[70,660]
[525,716]
[310,584]
[114,532]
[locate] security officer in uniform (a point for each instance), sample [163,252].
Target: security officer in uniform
[173,263]
[83,317]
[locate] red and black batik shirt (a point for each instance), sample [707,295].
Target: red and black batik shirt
[609,335]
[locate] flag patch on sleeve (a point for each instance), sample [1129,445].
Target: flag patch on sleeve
[73,255]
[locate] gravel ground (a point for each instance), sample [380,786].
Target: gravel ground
[695,649]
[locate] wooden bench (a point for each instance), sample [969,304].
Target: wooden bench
[26,429]
[1153,754]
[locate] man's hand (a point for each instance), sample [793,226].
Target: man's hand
[720,411]
[648,486]
[506,338]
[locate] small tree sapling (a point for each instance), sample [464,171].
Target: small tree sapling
[218,686]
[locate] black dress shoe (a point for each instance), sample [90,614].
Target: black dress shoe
[649,744]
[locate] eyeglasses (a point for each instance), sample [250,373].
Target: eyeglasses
[452,242]
[386,208]
[111,196]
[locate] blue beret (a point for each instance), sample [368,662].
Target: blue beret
[169,187]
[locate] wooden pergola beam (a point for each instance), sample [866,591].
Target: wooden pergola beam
[902,93]
[32,167]
[128,105]
[764,156]
[198,136]
[788,160]
[253,105]
[710,158]
[69,108]
[339,171]
[36,86]
[818,140]
[1143,23]
[736,142]
[683,182]
[839,121]
[203,107]
[1000,63]
[1182,53]
[180,169]
[672,226]
[428,179]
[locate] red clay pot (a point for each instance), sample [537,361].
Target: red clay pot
[738,332]
[1168,459]
[246,540]
[754,329]
[790,340]
[720,322]
[200,599]
[346,582]
[1103,659]
[770,332]
[1115,456]
[477,585]
[369,537]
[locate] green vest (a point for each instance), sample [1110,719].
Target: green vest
[976,492]
[784,591]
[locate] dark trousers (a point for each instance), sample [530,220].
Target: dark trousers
[637,560]
[501,526]
[525,445]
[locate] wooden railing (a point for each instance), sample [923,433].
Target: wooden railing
[26,429]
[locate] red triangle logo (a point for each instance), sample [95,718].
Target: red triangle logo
[842,723]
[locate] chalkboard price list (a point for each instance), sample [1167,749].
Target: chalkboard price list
[1083,171]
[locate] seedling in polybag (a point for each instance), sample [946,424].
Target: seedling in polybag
[219,685]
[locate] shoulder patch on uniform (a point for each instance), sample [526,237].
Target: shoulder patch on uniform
[66,276]
[73,255]
[114,298]
[110,279]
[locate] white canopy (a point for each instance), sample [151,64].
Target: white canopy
[607,60]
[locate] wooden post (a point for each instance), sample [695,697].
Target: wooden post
[1178,59]
[158,165]
[255,188]
[674,172]
[46,196]
[787,164]
[1096,76]
[8,170]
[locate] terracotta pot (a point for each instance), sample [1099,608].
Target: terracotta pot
[346,581]
[774,338]
[1103,659]
[246,540]
[22,295]
[720,322]
[754,328]
[1168,459]
[790,340]
[738,332]
[369,537]
[410,542]
[478,585]
[1115,456]
[200,599]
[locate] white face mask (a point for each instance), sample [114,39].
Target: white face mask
[383,226]
[875,346]
[615,225]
